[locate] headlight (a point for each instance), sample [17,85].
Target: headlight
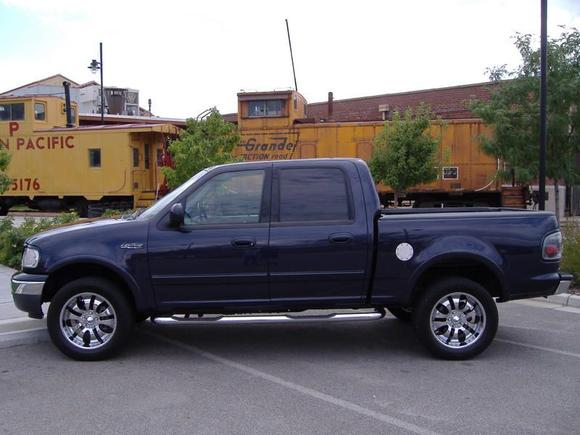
[30,258]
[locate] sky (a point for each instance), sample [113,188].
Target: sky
[188,56]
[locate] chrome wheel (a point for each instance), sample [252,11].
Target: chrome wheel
[88,320]
[458,320]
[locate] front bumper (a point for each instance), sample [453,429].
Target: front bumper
[27,293]
[564,285]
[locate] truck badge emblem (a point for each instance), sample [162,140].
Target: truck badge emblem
[404,251]
[131,245]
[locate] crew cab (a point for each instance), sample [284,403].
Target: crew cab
[287,241]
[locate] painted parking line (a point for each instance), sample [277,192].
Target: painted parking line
[296,387]
[533,346]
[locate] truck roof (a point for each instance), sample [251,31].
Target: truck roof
[354,160]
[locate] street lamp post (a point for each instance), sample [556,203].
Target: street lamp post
[543,96]
[94,66]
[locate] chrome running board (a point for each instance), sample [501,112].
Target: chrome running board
[270,318]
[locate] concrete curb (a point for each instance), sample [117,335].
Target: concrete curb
[564,299]
[26,336]
[16,332]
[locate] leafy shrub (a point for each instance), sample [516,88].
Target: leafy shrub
[204,142]
[114,214]
[571,254]
[12,237]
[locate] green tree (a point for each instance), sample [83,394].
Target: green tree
[203,143]
[404,153]
[4,161]
[513,111]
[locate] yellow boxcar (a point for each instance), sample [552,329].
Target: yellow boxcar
[273,126]
[53,167]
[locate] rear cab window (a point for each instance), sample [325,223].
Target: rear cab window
[317,194]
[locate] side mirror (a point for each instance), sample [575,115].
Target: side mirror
[176,215]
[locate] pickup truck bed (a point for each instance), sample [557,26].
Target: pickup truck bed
[494,246]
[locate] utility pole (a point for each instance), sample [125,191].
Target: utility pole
[291,56]
[102,87]
[543,97]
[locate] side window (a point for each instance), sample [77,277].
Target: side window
[39,111]
[18,112]
[146,158]
[274,108]
[95,157]
[256,108]
[263,108]
[12,112]
[135,157]
[228,198]
[5,112]
[314,194]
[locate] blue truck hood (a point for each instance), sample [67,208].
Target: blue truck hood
[102,240]
[76,230]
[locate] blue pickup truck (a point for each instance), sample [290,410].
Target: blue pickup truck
[287,241]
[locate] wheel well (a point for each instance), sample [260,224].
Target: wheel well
[465,268]
[71,272]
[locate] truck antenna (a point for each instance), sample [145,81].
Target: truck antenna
[291,56]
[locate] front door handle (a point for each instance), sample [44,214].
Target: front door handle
[342,238]
[244,243]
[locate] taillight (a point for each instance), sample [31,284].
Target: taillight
[552,247]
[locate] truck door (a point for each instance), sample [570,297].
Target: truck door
[318,235]
[219,256]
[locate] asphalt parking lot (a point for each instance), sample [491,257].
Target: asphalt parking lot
[326,378]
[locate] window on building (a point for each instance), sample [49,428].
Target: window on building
[95,157]
[265,108]
[39,111]
[12,112]
[135,157]
[146,158]
[314,194]
[450,173]
[159,157]
[228,198]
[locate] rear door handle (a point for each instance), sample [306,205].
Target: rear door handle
[244,243]
[342,238]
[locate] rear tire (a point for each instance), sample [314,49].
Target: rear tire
[90,319]
[456,319]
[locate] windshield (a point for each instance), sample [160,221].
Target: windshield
[170,197]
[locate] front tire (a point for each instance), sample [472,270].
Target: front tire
[90,319]
[456,319]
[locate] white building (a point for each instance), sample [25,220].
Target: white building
[118,101]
